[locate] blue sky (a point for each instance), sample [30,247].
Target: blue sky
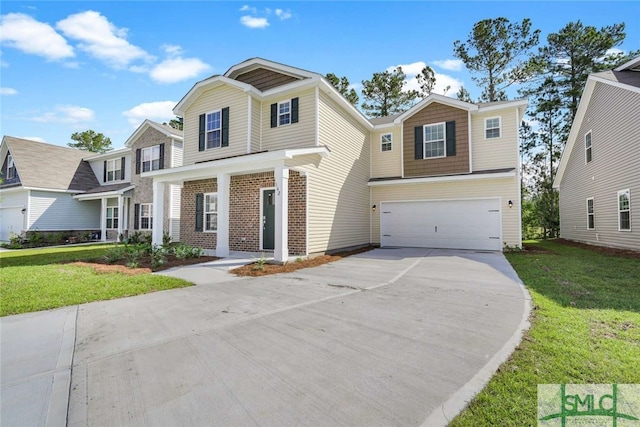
[106,66]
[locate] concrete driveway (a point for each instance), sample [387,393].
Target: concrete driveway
[387,337]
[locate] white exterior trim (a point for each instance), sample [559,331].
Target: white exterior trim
[249,114]
[453,178]
[434,97]
[140,130]
[519,180]
[109,155]
[96,196]
[484,132]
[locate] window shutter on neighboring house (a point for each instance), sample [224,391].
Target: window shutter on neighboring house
[161,160]
[201,132]
[104,172]
[451,138]
[419,154]
[122,163]
[274,115]
[294,110]
[136,215]
[138,161]
[199,211]
[225,127]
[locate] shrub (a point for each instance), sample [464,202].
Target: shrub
[139,237]
[54,238]
[114,255]
[184,251]
[158,256]
[135,253]
[166,240]
[35,238]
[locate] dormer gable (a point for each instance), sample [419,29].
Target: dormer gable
[264,75]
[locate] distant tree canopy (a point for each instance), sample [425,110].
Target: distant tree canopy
[384,94]
[91,141]
[342,84]
[176,123]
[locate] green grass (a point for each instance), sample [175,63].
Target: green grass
[585,329]
[41,279]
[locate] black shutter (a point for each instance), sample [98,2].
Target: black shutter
[104,174]
[199,211]
[136,215]
[419,155]
[225,127]
[138,161]
[201,132]
[451,138]
[274,115]
[161,160]
[294,110]
[122,162]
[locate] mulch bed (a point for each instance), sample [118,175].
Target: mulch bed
[101,266]
[623,253]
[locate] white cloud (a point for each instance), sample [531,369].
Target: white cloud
[69,114]
[172,49]
[7,91]
[614,51]
[101,39]
[247,8]
[173,70]
[449,64]
[24,33]
[283,14]
[442,80]
[33,138]
[161,111]
[254,22]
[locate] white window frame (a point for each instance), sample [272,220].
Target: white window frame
[152,150]
[620,211]
[384,143]
[213,130]
[591,213]
[287,113]
[149,216]
[425,142]
[588,149]
[205,212]
[112,215]
[11,167]
[111,168]
[487,129]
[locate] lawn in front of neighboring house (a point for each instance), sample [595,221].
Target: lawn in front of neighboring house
[42,279]
[585,328]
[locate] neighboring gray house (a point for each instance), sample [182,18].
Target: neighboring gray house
[599,174]
[39,182]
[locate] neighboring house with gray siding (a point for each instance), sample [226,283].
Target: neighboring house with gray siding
[599,173]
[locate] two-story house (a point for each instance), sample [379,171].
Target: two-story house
[275,159]
[599,173]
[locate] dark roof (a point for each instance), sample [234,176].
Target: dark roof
[631,78]
[42,165]
[484,172]
[108,188]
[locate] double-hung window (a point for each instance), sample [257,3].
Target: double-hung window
[591,215]
[385,142]
[214,129]
[434,141]
[588,151]
[211,212]
[145,216]
[492,128]
[112,213]
[114,170]
[151,158]
[624,210]
[284,113]
[11,167]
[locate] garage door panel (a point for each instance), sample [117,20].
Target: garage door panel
[451,224]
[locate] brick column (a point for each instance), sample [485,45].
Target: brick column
[222,238]
[158,212]
[281,250]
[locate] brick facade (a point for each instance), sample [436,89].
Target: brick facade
[244,212]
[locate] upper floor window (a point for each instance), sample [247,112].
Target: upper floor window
[284,112]
[624,210]
[214,129]
[591,216]
[587,147]
[114,170]
[492,128]
[11,167]
[151,158]
[385,142]
[434,141]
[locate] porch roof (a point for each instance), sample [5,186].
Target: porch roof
[105,191]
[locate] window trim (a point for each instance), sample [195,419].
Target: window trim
[592,213]
[588,151]
[113,218]
[205,212]
[114,170]
[206,130]
[288,101]
[444,140]
[11,167]
[390,142]
[140,227]
[142,161]
[628,192]
[499,127]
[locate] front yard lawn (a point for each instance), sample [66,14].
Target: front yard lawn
[41,279]
[585,328]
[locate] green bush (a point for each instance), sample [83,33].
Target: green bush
[35,238]
[114,255]
[184,251]
[158,256]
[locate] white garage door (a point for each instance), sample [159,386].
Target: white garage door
[10,222]
[451,224]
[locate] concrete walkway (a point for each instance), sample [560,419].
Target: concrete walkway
[387,337]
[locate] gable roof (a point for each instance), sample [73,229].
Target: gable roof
[165,129]
[624,77]
[256,62]
[48,166]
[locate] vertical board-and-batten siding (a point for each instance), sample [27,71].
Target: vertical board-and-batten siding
[495,153]
[294,135]
[212,100]
[386,164]
[60,211]
[338,194]
[612,116]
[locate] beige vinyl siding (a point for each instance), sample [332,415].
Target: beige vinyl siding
[386,163]
[612,117]
[177,154]
[495,153]
[338,202]
[294,135]
[211,100]
[174,212]
[256,125]
[504,188]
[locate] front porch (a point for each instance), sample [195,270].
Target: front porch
[115,203]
